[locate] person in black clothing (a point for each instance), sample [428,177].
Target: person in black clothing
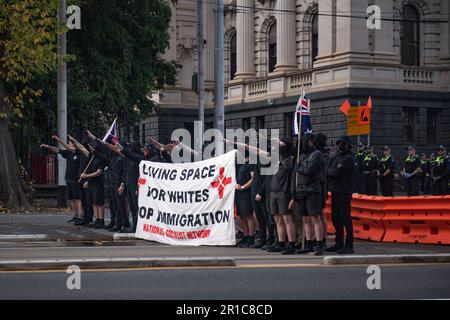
[73,165]
[133,157]
[280,198]
[386,170]
[340,183]
[243,202]
[321,142]
[359,184]
[370,167]
[307,193]
[85,200]
[439,173]
[258,195]
[271,241]
[116,166]
[131,185]
[107,174]
[411,172]
[93,182]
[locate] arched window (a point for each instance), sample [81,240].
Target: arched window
[272,47]
[233,57]
[409,38]
[314,37]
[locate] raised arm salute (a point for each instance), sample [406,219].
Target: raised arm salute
[49,148]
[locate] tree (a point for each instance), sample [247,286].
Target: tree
[118,62]
[28,34]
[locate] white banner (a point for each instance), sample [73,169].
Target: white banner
[188,204]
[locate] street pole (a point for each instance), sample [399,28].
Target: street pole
[219,112]
[62,103]
[201,82]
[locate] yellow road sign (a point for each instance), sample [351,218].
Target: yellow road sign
[358,121]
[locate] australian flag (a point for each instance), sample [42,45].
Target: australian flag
[302,111]
[112,134]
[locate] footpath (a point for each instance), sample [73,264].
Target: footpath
[47,242]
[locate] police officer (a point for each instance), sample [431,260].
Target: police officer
[439,173]
[308,193]
[386,170]
[425,166]
[370,167]
[359,182]
[411,172]
[340,182]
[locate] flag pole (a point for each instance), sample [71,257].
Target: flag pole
[299,139]
[299,126]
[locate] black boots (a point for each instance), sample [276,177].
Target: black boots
[307,249]
[318,250]
[279,246]
[290,248]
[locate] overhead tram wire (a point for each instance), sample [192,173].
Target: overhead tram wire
[247,9]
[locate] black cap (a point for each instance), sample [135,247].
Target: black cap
[441,147]
[369,147]
[345,139]
[321,138]
[308,136]
[360,144]
[386,148]
[410,147]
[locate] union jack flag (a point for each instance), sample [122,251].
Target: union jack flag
[302,111]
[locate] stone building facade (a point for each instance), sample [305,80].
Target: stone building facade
[273,48]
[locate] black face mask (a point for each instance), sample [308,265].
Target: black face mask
[284,150]
[307,148]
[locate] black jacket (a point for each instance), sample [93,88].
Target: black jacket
[258,182]
[310,170]
[281,181]
[340,173]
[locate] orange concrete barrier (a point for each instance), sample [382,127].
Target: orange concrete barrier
[423,219]
[367,213]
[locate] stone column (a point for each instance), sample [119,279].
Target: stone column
[286,35]
[245,40]
[445,32]
[352,35]
[326,29]
[208,34]
[384,38]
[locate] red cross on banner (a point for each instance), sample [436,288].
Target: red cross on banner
[221,182]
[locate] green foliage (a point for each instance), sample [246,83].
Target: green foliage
[116,64]
[118,61]
[28,31]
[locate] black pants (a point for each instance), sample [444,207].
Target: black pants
[266,229]
[112,210]
[440,187]
[360,183]
[118,204]
[87,205]
[271,219]
[371,184]
[133,202]
[412,186]
[341,218]
[425,184]
[387,186]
